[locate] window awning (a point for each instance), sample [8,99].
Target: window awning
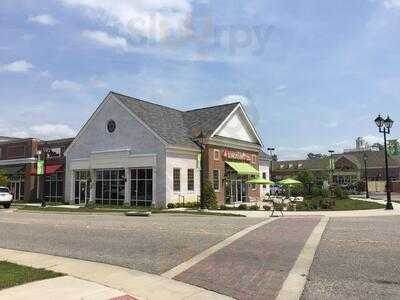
[243,168]
[51,169]
[11,170]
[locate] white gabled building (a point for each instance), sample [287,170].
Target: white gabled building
[139,153]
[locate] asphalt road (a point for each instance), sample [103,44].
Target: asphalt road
[153,245]
[358,258]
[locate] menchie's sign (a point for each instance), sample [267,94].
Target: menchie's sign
[237,155]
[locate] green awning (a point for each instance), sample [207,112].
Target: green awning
[243,168]
[11,170]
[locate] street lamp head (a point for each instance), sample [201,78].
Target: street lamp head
[201,138]
[388,122]
[271,149]
[331,151]
[379,121]
[365,156]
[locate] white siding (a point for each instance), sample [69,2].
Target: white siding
[182,161]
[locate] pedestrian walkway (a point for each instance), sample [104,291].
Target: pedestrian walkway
[256,265]
[138,284]
[65,288]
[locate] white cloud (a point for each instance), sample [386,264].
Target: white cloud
[52,131]
[235,98]
[392,3]
[332,124]
[20,66]
[105,39]
[43,20]
[155,20]
[372,139]
[66,85]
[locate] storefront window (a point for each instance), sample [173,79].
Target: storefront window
[141,187]
[82,187]
[54,187]
[177,180]
[110,187]
[190,180]
[17,187]
[216,180]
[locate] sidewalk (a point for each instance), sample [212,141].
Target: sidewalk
[138,284]
[66,288]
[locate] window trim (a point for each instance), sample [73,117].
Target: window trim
[254,158]
[217,155]
[219,180]
[173,180]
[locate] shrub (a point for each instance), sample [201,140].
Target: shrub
[267,207]
[254,207]
[171,205]
[4,181]
[340,193]
[242,207]
[209,197]
[223,207]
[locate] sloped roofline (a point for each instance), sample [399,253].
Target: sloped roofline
[99,108]
[253,129]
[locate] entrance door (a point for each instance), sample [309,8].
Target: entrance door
[82,191]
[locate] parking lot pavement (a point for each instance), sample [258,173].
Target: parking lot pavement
[358,258]
[153,245]
[256,265]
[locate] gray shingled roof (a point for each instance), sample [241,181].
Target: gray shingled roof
[174,126]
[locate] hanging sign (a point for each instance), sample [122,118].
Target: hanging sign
[40,167]
[237,155]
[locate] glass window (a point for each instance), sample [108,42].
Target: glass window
[216,154]
[141,187]
[216,180]
[110,187]
[190,182]
[177,180]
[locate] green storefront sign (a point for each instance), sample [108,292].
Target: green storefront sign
[40,167]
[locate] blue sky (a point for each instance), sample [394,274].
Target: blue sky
[313,74]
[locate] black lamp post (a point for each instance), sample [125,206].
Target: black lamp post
[365,157]
[201,140]
[384,126]
[271,150]
[43,154]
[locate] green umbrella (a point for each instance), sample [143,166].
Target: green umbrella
[260,181]
[289,182]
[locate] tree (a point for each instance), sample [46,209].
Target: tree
[209,196]
[4,181]
[306,177]
[274,157]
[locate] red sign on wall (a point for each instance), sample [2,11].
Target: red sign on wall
[237,155]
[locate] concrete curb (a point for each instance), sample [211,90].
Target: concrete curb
[138,284]
[294,284]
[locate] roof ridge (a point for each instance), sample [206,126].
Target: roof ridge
[213,106]
[146,101]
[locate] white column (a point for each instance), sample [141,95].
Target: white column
[92,186]
[154,200]
[127,200]
[72,187]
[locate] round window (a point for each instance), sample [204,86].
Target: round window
[111,126]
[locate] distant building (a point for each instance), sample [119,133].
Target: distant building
[348,167]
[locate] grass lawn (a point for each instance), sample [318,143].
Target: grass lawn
[121,211]
[340,204]
[13,275]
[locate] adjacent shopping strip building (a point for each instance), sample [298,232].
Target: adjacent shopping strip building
[139,153]
[18,161]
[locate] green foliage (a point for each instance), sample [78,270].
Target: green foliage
[188,205]
[305,176]
[171,205]
[254,207]
[242,207]
[209,196]
[223,207]
[340,193]
[13,275]
[4,181]
[319,192]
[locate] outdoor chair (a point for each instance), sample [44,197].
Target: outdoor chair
[277,205]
